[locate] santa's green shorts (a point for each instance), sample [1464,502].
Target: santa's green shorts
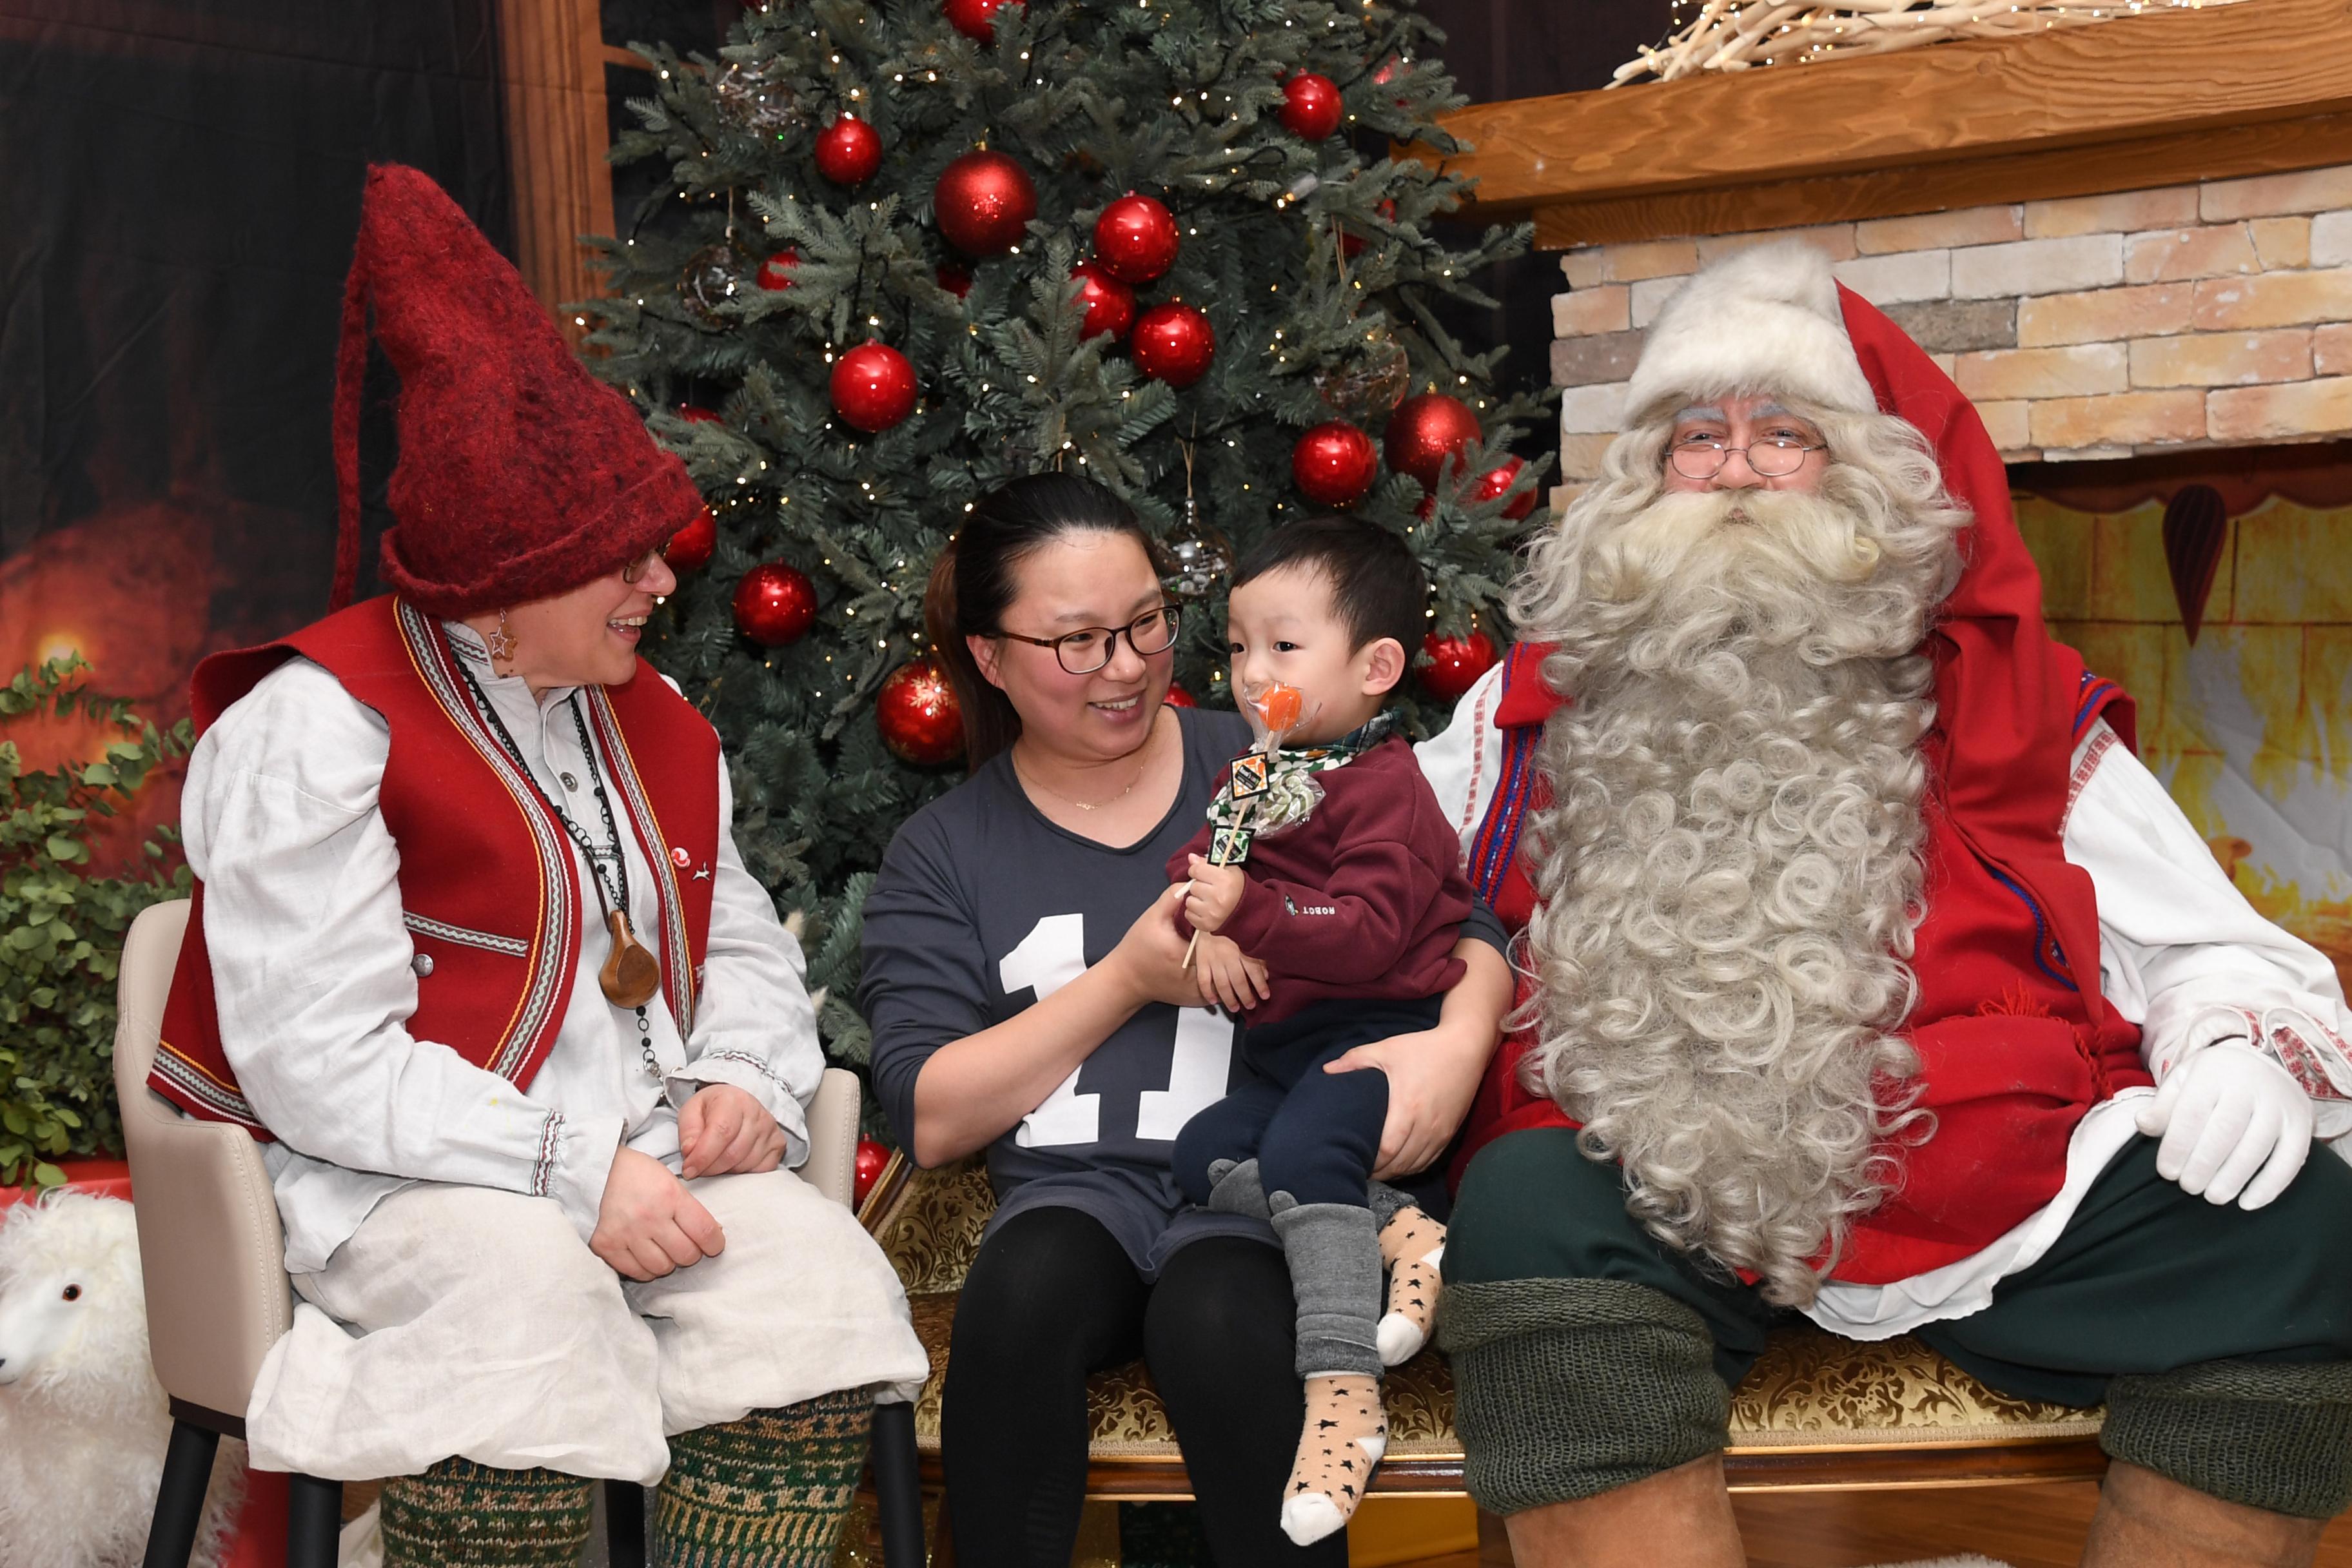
[1588,1355]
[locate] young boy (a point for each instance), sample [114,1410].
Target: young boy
[1349,891]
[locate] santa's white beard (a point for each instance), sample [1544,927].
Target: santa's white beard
[1730,872]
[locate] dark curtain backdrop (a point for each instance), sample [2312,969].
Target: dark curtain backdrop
[181,187]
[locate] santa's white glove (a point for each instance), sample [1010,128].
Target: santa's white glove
[2236,1124]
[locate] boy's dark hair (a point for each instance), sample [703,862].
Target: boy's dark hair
[1378,589]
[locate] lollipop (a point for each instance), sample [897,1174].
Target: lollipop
[1279,708]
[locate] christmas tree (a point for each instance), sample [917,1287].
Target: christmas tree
[905,252]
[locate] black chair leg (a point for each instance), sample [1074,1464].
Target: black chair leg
[624,1525]
[180,1496]
[314,1519]
[897,1488]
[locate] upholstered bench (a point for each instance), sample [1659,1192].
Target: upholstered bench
[1817,1412]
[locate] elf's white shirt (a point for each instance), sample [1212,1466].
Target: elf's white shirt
[301,878]
[2182,953]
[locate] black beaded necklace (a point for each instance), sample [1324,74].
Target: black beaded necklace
[631,974]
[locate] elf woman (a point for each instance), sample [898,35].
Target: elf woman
[474,956]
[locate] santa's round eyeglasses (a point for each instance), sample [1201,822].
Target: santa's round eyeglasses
[1775,457]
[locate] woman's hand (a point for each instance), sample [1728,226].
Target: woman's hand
[647,1224]
[1149,962]
[1228,977]
[1434,1075]
[722,1130]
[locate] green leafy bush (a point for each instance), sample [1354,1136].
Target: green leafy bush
[61,929]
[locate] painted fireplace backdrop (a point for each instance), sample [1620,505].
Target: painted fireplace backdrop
[2245,688]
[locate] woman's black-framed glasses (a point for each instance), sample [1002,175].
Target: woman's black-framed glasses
[1087,649]
[1773,458]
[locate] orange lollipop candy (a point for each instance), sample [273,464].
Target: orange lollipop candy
[1280,706]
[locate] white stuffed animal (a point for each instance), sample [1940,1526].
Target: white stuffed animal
[83,1423]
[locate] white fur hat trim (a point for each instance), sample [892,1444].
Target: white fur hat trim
[1761,321]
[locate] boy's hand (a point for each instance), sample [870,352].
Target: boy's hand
[1229,977]
[1215,889]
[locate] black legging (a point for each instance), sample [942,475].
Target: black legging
[1052,1298]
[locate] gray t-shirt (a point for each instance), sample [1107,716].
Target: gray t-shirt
[983,907]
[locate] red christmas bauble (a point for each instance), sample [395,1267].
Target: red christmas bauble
[872,1157]
[918,716]
[1109,304]
[775,604]
[1335,464]
[1310,106]
[695,413]
[776,272]
[975,19]
[1135,238]
[1495,481]
[1173,344]
[689,549]
[955,280]
[1426,430]
[1351,245]
[873,387]
[1455,664]
[1178,697]
[984,202]
[848,151]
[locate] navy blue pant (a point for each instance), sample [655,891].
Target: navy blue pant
[1314,1134]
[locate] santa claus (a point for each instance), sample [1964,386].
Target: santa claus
[1866,975]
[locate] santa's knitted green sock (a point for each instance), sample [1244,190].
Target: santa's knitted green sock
[767,1491]
[1411,1244]
[462,1512]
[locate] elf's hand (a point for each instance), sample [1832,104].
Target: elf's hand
[1209,901]
[647,1224]
[723,1130]
[2236,1124]
[1229,977]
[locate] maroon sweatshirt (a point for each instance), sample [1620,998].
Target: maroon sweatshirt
[1362,899]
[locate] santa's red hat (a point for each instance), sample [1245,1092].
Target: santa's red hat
[1764,319]
[520,473]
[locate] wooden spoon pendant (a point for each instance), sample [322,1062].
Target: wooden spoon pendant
[632,975]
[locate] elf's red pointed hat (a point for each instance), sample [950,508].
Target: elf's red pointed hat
[521,474]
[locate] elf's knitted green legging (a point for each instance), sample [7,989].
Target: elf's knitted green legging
[767,1491]
[1587,1355]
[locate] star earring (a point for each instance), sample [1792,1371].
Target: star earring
[502,644]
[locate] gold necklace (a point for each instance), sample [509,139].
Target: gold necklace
[1140,768]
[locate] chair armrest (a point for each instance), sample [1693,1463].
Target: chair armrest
[832,1167]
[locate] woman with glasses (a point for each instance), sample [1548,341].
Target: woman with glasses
[1028,995]
[474,956]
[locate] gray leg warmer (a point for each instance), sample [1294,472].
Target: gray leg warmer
[1335,1273]
[1567,1388]
[2269,1435]
[1387,1204]
[1234,1188]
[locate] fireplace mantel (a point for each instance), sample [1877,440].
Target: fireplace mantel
[2260,87]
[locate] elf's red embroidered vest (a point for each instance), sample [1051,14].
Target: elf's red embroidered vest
[2015,1041]
[487,883]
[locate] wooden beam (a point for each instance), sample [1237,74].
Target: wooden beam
[552,55]
[2180,158]
[2165,73]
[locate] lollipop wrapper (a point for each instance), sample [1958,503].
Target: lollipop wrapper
[1275,712]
